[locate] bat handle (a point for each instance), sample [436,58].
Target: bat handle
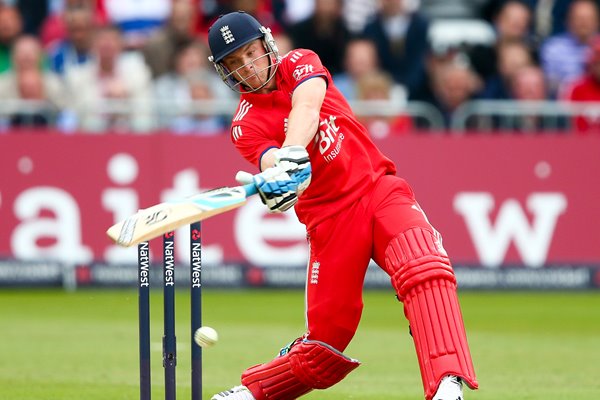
[250,189]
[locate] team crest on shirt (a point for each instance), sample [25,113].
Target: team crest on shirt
[314,272]
[302,71]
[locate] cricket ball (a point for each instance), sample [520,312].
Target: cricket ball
[206,336]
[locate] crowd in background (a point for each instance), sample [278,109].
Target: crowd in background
[152,56]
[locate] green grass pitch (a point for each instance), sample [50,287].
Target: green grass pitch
[83,345]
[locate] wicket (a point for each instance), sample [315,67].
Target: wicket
[169,342]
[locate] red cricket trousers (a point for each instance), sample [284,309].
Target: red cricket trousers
[341,248]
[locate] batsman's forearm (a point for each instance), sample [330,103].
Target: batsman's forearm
[303,123]
[303,119]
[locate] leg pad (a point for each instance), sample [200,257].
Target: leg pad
[425,283]
[308,365]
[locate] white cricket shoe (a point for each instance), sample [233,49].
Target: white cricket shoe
[450,389]
[235,393]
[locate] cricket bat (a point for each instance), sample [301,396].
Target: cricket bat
[157,220]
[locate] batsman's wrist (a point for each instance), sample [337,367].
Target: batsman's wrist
[294,154]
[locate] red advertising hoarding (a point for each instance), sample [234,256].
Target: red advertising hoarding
[497,200]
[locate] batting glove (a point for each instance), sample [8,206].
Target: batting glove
[278,191]
[276,200]
[294,160]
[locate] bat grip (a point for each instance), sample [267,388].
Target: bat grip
[250,189]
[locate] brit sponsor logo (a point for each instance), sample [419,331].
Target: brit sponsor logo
[329,139]
[227,35]
[302,71]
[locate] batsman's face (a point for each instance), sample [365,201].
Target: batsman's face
[249,64]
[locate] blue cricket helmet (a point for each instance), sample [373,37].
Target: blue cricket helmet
[232,31]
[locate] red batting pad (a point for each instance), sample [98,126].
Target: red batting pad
[425,283]
[438,331]
[274,380]
[308,365]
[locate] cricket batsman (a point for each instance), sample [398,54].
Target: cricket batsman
[313,154]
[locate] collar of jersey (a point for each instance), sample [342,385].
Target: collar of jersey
[264,100]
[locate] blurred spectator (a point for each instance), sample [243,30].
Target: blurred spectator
[563,55]
[28,81]
[550,16]
[30,86]
[401,39]
[360,58]
[453,84]
[76,47]
[544,17]
[191,66]
[529,84]
[459,34]
[357,13]
[10,27]
[511,23]
[262,10]
[54,29]
[512,56]
[587,89]
[136,19]
[436,59]
[33,12]
[376,87]
[159,51]
[111,74]
[290,12]
[194,122]
[465,9]
[324,32]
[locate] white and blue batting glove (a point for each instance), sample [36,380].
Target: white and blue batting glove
[277,189]
[276,200]
[294,160]
[280,185]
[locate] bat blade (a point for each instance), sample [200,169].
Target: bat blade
[154,221]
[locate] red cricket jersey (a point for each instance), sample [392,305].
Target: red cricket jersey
[345,162]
